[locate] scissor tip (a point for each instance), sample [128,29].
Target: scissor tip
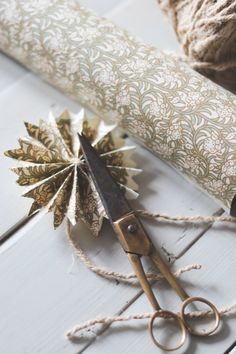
[80,136]
[82,139]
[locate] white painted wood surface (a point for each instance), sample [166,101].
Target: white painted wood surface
[215,281]
[44,289]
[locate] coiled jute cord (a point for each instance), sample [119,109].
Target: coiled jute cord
[206,30]
[79,329]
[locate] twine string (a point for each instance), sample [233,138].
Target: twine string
[112,275]
[187,219]
[89,325]
[131,278]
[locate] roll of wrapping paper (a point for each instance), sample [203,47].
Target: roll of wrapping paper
[173,111]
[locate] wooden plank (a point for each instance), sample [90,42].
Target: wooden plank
[54,291]
[231,349]
[10,72]
[44,290]
[215,281]
[145,20]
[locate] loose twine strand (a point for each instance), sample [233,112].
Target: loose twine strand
[78,330]
[186,219]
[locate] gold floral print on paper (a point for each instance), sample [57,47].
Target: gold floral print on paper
[54,171]
[176,113]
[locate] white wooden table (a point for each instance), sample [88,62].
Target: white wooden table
[43,291]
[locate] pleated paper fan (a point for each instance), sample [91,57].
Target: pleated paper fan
[53,169]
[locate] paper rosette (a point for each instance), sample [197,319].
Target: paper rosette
[173,111]
[54,170]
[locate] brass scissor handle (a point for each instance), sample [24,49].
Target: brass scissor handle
[168,315]
[182,321]
[214,311]
[136,244]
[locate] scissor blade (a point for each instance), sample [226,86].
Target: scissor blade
[112,197]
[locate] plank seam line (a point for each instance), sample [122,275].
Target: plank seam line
[202,233]
[229,350]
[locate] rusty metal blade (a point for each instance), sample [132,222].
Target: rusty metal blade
[110,193]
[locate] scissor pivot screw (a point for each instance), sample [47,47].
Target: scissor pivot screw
[132,228]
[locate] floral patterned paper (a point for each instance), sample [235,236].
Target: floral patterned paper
[176,113]
[54,171]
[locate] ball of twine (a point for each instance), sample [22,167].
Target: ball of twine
[206,30]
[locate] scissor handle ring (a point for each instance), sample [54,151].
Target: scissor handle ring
[166,315]
[212,307]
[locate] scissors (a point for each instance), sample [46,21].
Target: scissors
[136,243]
